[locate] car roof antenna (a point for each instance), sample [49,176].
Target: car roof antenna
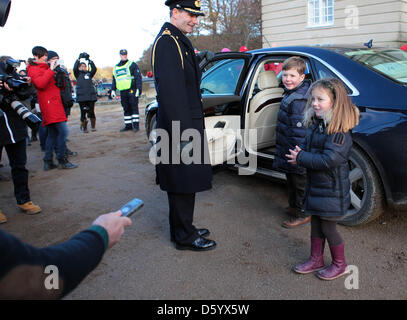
[369,44]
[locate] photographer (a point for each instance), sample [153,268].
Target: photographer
[85,91]
[52,110]
[13,134]
[30,103]
[63,82]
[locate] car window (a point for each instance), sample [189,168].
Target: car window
[222,77]
[323,72]
[390,62]
[308,74]
[269,65]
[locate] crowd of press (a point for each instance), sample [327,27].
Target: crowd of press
[40,98]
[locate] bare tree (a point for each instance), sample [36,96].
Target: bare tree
[227,23]
[232,23]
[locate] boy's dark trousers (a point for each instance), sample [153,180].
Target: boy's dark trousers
[16,153]
[296,188]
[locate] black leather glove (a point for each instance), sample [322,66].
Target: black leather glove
[206,54]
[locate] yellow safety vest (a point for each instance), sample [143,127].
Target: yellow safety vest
[122,76]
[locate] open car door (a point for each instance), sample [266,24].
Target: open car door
[222,80]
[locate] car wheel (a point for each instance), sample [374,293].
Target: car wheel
[152,136]
[366,190]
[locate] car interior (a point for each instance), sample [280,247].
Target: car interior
[266,93]
[260,114]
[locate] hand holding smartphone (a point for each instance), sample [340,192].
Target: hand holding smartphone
[131,207]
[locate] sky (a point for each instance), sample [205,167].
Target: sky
[99,27]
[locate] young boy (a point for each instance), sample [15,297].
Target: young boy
[291,132]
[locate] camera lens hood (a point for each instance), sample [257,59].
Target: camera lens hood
[4,11]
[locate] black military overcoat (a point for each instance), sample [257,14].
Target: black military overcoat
[177,80]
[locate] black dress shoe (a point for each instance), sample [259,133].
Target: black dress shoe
[200,244]
[201,233]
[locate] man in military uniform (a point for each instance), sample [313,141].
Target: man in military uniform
[127,79]
[177,82]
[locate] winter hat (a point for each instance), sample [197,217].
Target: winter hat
[52,54]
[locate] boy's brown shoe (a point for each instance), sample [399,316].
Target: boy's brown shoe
[296,222]
[3,218]
[29,208]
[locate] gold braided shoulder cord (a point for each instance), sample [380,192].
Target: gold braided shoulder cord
[168,33]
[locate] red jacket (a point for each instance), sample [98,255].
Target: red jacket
[49,95]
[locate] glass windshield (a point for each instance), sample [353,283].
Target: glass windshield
[390,62]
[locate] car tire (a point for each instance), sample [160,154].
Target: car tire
[367,202]
[151,126]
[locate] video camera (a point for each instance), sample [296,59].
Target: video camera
[84,55]
[20,90]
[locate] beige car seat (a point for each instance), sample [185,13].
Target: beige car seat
[264,108]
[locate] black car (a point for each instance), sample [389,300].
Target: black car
[102,89]
[243,91]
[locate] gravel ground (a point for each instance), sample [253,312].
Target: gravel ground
[254,255]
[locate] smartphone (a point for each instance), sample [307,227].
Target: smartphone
[131,207]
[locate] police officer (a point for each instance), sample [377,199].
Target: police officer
[177,81]
[127,79]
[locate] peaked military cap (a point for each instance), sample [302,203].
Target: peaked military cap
[191,6]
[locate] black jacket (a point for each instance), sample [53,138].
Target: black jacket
[177,81]
[12,128]
[66,93]
[136,83]
[290,130]
[85,90]
[326,159]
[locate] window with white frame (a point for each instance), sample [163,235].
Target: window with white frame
[320,13]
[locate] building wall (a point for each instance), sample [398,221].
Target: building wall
[403,21]
[384,21]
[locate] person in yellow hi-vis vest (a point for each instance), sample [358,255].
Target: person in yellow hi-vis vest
[127,79]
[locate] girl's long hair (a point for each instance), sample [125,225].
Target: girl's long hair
[344,115]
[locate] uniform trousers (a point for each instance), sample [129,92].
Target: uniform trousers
[181,217]
[130,108]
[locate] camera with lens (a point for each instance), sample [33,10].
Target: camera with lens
[84,55]
[20,90]
[59,77]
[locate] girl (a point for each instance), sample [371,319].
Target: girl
[329,117]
